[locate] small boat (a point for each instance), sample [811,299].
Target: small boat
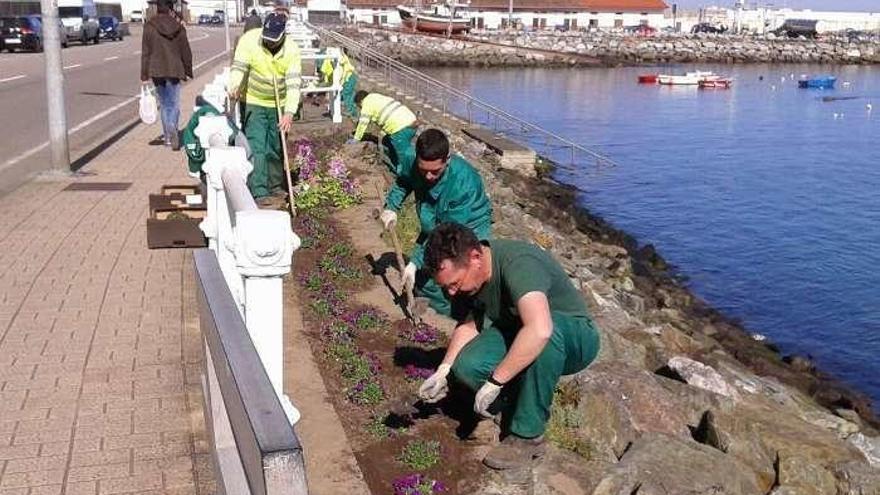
[823,82]
[445,18]
[648,79]
[719,82]
[689,79]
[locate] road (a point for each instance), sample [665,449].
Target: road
[97,78]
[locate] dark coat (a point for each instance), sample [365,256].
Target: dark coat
[165,52]
[252,22]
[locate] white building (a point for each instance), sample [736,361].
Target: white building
[529,14]
[761,20]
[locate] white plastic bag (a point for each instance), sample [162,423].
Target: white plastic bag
[148,109]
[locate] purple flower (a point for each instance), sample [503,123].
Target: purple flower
[413,372]
[336,169]
[421,334]
[417,484]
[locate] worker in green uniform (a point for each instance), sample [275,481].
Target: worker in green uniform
[522,325]
[446,189]
[349,84]
[209,103]
[267,57]
[396,121]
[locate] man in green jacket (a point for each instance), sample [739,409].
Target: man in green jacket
[522,325]
[446,189]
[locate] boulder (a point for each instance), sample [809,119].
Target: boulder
[701,376]
[662,464]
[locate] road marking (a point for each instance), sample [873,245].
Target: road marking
[13,78]
[202,37]
[110,58]
[74,66]
[33,151]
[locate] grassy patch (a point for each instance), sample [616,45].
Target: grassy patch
[563,428]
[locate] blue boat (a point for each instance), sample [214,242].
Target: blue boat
[823,82]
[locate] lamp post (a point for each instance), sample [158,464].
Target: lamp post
[56,112]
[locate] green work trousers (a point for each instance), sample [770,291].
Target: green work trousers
[525,401]
[398,149]
[426,287]
[348,91]
[261,129]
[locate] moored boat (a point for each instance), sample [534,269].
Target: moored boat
[450,17]
[823,82]
[648,79]
[715,82]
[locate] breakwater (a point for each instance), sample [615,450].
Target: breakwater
[585,49]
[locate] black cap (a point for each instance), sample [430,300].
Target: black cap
[274,26]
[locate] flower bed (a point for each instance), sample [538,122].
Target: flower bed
[369,362]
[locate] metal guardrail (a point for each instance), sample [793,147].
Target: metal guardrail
[452,100]
[256,450]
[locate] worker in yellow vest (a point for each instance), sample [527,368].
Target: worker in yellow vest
[394,119]
[349,84]
[267,57]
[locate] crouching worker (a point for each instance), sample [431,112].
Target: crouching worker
[394,119]
[211,102]
[446,189]
[521,325]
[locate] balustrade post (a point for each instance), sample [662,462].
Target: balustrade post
[264,254]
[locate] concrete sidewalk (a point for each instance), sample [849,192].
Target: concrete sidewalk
[99,337]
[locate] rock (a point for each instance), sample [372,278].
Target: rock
[777,444]
[662,464]
[856,478]
[868,446]
[620,403]
[701,376]
[799,363]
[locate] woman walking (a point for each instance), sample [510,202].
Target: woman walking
[166,59]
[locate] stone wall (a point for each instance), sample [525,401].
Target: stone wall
[573,49]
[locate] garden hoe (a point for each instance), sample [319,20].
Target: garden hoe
[410,312]
[284,149]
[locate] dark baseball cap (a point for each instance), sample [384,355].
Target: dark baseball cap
[274,26]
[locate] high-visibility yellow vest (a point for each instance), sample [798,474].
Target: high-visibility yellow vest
[258,63]
[347,67]
[389,114]
[327,71]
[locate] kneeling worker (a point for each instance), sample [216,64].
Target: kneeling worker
[522,324]
[445,189]
[396,121]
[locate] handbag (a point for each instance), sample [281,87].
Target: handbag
[148,109]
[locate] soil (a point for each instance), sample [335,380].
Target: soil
[450,422]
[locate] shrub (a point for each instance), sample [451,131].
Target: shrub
[563,427]
[420,454]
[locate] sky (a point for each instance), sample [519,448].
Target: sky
[835,5]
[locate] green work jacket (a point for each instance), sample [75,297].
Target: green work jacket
[195,154]
[459,196]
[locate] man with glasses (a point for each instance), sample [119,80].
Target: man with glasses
[446,189]
[522,325]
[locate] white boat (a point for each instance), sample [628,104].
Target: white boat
[688,79]
[439,18]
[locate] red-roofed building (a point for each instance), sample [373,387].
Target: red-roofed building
[531,14]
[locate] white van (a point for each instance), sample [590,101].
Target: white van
[80,19]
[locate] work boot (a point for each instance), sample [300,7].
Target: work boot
[514,452]
[175,141]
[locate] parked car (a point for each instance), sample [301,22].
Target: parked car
[25,33]
[110,29]
[795,28]
[705,27]
[216,20]
[136,16]
[640,30]
[204,19]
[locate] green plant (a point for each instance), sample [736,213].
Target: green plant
[420,454]
[377,428]
[313,282]
[342,351]
[340,249]
[321,307]
[563,427]
[367,393]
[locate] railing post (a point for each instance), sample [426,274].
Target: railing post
[336,109]
[264,254]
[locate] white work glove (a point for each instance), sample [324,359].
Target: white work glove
[408,277]
[389,219]
[435,386]
[485,397]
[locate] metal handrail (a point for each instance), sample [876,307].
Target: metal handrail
[421,81]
